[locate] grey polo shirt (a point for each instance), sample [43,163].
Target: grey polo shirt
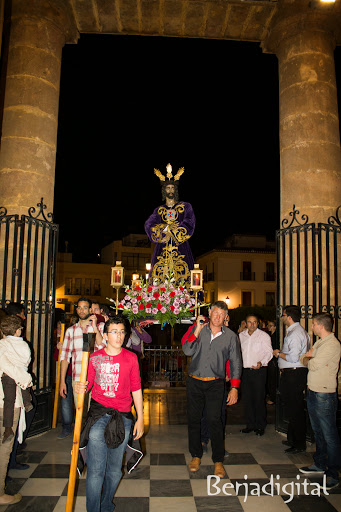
[209,355]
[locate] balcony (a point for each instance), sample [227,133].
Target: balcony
[247,276]
[269,276]
[83,291]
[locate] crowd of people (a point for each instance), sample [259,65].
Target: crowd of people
[253,356]
[223,365]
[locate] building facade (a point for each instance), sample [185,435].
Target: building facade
[243,269]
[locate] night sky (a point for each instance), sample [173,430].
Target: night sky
[132,103]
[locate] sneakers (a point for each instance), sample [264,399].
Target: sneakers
[331,483]
[312,470]
[247,430]
[194,465]
[64,434]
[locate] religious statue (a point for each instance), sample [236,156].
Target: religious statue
[170,226]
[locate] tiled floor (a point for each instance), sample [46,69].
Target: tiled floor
[162,481]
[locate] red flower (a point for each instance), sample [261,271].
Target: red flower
[137,288]
[148,305]
[172,294]
[141,307]
[159,306]
[120,306]
[149,289]
[156,295]
[139,297]
[172,308]
[162,290]
[181,288]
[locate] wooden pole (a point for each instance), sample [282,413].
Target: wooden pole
[56,394]
[77,429]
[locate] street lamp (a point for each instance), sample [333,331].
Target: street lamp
[117,279]
[135,280]
[196,284]
[227,300]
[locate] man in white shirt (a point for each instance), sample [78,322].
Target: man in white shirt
[293,379]
[256,353]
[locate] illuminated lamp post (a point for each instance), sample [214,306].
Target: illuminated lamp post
[196,284]
[117,279]
[135,280]
[148,267]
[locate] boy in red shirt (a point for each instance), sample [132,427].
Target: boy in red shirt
[114,377]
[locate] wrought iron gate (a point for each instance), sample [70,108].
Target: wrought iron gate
[28,249]
[308,274]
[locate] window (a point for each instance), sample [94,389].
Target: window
[246,274]
[87,287]
[269,271]
[97,287]
[246,299]
[68,286]
[270,299]
[78,285]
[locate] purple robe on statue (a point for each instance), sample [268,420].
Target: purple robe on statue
[180,223]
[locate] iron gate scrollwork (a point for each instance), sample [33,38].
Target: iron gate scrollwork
[308,263]
[28,250]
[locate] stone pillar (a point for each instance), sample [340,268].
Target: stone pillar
[38,32]
[310,156]
[308,114]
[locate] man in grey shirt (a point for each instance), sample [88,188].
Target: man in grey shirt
[293,379]
[210,346]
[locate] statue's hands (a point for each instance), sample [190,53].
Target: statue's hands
[166,237]
[173,226]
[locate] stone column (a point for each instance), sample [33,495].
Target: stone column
[38,32]
[310,157]
[308,114]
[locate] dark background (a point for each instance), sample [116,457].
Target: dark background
[132,103]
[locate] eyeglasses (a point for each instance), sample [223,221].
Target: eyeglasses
[117,333]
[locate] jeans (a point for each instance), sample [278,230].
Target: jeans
[28,418]
[67,406]
[104,467]
[322,409]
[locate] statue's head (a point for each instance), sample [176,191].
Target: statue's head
[169,184]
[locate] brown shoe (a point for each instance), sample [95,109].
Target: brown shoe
[219,470]
[194,465]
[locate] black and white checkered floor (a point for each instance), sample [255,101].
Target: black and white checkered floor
[162,480]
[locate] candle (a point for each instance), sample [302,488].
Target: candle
[118,277]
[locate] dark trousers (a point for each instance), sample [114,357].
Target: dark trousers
[205,433]
[9,387]
[209,394]
[271,382]
[292,386]
[253,397]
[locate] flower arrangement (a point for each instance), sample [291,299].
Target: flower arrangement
[167,302]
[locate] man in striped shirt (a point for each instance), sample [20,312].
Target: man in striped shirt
[73,343]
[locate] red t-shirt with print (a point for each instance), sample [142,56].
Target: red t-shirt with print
[114,378]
